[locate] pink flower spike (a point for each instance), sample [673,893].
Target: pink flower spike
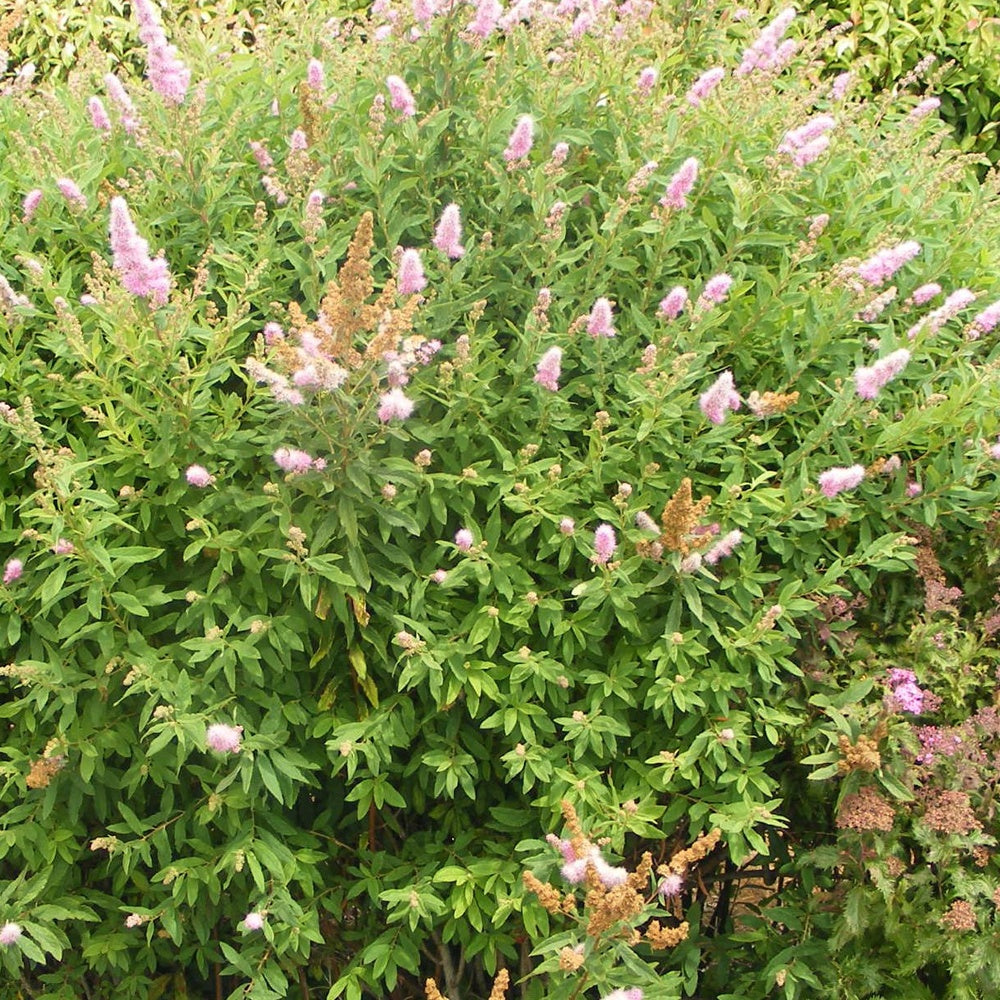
[253,921]
[881,266]
[9,933]
[704,85]
[463,539]
[12,571]
[521,139]
[292,460]
[394,405]
[924,108]
[680,185]
[605,544]
[914,489]
[71,192]
[723,547]
[448,235]
[548,371]
[439,575]
[925,293]
[141,275]
[315,75]
[722,397]
[670,886]
[63,547]
[411,277]
[647,80]
[30,204]
[198,475]
[567,526]
[715,291]
[600,323]
[840,478]
[98,115]
[672,305]
[400,97]
[985,321]
[224,739]
[488,12]
[869,381]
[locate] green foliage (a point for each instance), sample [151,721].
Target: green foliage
[888,38]
[414,711]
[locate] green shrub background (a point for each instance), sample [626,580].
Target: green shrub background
[387,799]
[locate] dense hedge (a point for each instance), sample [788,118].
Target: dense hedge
[348,535]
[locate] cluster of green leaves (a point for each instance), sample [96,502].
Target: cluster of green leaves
[385,780]
[888,38]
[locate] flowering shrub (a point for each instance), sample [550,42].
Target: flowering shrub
[419,423]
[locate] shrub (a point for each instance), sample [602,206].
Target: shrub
[892,38]
[349,536]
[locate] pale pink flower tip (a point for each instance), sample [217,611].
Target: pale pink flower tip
[521,139]
[840,478]
[448,235]
[548,371]
[634,993]
[30,203]
[411,273]
[868,381]
[13,570]
[63,547]
[133,920]
[704,85]
[292,460]
[881,266]
[394,405]
[647,80]
[400,97]
[439,575]
[224,739]
[98,114]
[672,305]
[253,921]
[600,322]
[716,289]
[198,475]
[726,734]
[722,397]
[142,275]
[567,525]
[914,489]
[488,12]
[995,451]
[680,185]
[723,547]
[670,886]
[9,933]
[315,74]
[925,293]
[605,544]
[463,539]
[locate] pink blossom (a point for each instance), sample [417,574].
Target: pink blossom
[913,489]
[839,86]
[672,305]
[811,151]
[632,993]
[63,547]
[521,139]
[869,381]
[567,526]
[167,75]
[389,491]
[881,266]
[448,235]
[691,563]
[198,475]
[600,322]
[134,920]
[224,739]
[722,397]
[924,108]
[298,141]
[71,192]
[715,290]
[985,321]
[891,465]
[487,14]
[463,539]
[605,544]
[840,478]
[704,85]
[273,333]
[439,575]
[118,94]
[30,203]
[141,275]
[292,460]
[12,571]
[400,97]
[315,75]
[726,735]
[548,371]
[424,11]
[925,293]
[410,279]
[647,80]
[98,115]
[9,933]
[904,693]
[394,405]
[995,451]
[723,547]
[796,138]
[670,886]
[680,185]
[764,53]
[559,153]
[253,921]
[948,310]
[261,155]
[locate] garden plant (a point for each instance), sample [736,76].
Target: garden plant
[495,501]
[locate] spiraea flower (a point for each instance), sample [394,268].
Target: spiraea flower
[840,478]
[704,85]
[680,185]
[673,303]
[521,140]
[411,277]
[605,544]
[394,405]
[144,276]
[463,540]
[881,266]
[400,97]
[198,475]
[647,80]
[254,921]
[600,323]
[869,381]
[10,933]
[722,397]
[548,371]
[715,291]
[224,739]
[12,571]
[448,235]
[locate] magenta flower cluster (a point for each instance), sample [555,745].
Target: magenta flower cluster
[840,479]
[144,276]
[869,381]
[548,371]
[904,694]
[881,266]
[680,185]
[722,397]
[168,76]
